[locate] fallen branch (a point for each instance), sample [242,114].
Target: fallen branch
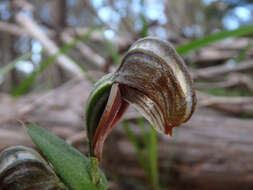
[12,29]
[211,72]
[52,49]
[207,100]
[232,105]
[234,79]
[86,51]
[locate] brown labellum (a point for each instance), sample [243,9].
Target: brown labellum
[23,168]
[155,80]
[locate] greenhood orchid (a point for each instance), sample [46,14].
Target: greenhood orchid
[151,77]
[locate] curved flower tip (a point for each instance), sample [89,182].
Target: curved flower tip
[151,77]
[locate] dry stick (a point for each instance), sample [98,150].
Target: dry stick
[95,36]
[24,5]
[226,100]
[12,29]
[76,138]
[207,100]
[94,12]
[233,79]
[125,22]
[98,36]
[15,29]
[67,38]
[11,138]
[210,72]
[86,51]
[223,50]
[28,108]
[235,109]
[52,49]
[232,105]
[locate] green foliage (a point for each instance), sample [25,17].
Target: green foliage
[146,151]
[230,92]
[197,44]
[72,166]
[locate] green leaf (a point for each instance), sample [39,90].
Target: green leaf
[197,44]
[73,167]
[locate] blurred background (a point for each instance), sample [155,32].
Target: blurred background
[53,51]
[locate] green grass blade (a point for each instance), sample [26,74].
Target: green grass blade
[144,22]
[149,160]
[113,52]
[150,145]
[21,89]
[153,158]
[244,51]
[12,65]
[63,50]
[72,166]
[144,132]
[197,44]
[136,145]
[144,30]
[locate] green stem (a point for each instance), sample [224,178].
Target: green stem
[95,178]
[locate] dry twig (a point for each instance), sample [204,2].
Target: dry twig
[211,72]
[234,79]
[86,51]
[48,44]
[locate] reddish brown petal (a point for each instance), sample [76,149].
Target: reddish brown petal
[114,109]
